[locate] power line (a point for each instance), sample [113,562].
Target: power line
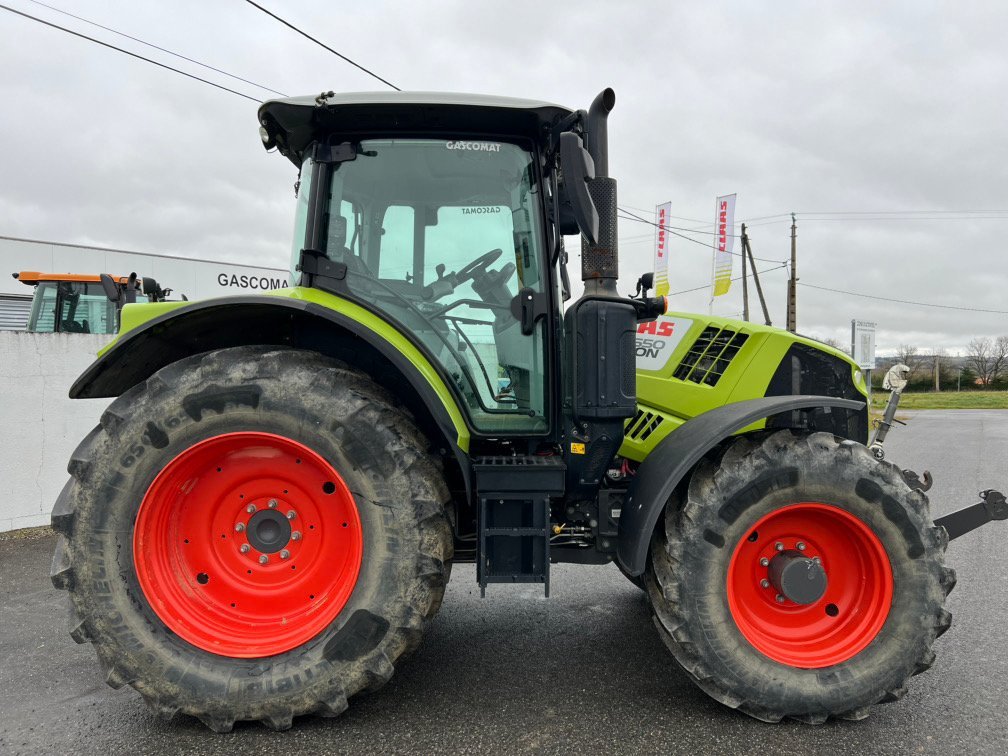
[881,215]
[289,25]
[634,216]
[669,230]
[750,221]
[944,218]
[127,52]
[903,301]
[706,287]
[677,217]
[630,216]
[902,212]
[157,47]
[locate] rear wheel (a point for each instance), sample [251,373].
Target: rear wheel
[252,534]
[801,578]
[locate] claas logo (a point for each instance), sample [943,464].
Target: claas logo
[664,328]
[646,347]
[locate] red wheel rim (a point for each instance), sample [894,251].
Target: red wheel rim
[856,601]
[247,544]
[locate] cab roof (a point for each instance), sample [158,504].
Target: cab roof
[33,277]
[293,123]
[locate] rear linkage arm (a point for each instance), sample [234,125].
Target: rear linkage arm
[992,507]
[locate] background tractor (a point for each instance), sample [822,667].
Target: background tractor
[266,517]
[84,303]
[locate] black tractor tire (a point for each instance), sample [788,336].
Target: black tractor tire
[688,573]
[637,580]
[346,420]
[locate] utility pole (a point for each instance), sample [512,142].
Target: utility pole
[792,300]
[747,253]
[745,279]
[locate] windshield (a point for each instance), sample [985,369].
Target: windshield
[71,307]
[441,235]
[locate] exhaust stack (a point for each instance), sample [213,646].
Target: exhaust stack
[600,262]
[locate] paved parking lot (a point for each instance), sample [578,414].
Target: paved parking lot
[583,671]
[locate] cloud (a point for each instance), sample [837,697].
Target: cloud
[831,107]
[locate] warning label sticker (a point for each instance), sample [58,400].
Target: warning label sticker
[658,339]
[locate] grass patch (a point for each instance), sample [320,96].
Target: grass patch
[945,400]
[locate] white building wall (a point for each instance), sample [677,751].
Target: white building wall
[39,424]
[193,277]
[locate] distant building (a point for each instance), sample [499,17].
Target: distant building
[195,278]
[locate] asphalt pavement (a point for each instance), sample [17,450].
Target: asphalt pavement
[580,672]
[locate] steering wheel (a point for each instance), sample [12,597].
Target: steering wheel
[477,267]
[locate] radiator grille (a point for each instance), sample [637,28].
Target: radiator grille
[709,357]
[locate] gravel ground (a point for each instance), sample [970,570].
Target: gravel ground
[583,671]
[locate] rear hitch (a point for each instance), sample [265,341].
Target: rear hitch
[992,506]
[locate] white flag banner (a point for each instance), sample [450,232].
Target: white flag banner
[724,241]
[661,276]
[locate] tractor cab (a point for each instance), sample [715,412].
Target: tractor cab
[76,303]
[432,211]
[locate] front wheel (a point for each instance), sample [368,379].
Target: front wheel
[252,534]
[801,578]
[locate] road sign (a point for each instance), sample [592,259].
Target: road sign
[863,343]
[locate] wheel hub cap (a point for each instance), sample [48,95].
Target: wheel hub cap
[798,578]
[268,531]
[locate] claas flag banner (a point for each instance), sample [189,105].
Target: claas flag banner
[661,279]
[724,240]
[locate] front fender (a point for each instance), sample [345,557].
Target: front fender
[663,469]
[292,318]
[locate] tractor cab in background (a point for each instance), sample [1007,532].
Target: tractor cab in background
[82,303]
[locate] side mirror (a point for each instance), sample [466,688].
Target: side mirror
[109,287]
[152,290]
[644,284]
[578,168]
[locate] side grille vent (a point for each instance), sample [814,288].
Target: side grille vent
[643,425]
[710,356]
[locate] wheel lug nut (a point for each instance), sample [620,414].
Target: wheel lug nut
[764,583]
[764,562]
[800,546]
[263,559]
[291,515]
[284,554]
[296,535]
[272,504]
[239,527]
[250,508]
[780,599]
[245,548]
[779,546]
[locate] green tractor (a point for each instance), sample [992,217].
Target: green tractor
[267,515]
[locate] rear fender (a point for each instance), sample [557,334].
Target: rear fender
[350,333]
[677,454]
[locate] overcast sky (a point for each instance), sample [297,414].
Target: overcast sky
[811,108]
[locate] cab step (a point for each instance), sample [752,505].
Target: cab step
[514,517]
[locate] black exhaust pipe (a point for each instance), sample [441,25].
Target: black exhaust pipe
[598,130]
[600,262]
